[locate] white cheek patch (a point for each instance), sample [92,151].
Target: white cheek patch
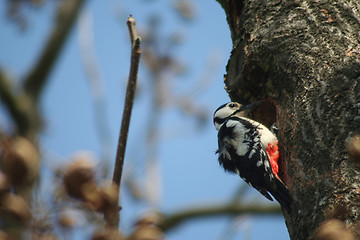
[224,113]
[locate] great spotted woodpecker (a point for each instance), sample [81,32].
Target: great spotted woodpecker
[250,150]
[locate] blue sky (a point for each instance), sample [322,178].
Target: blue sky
[190,174]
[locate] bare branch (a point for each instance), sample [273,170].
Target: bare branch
[22,103]
[132,30]
[113,218]
[173,220]
[20,107]
[37,77]
[129,101]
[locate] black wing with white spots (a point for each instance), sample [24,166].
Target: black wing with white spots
[240,152]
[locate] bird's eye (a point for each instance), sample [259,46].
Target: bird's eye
[232,105]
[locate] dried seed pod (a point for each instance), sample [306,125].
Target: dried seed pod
[148,219]
[110,195]
[80,172]
[15,207]
[107,234]
[145,232]
[19,160]
[4,185]
[333,229]
[146,228]
[101,199]
[66,220]
[92,196]
[353,147]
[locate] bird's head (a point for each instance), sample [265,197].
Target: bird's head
[230,109]
[224,112]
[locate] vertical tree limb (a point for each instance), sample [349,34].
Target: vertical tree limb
[113,218]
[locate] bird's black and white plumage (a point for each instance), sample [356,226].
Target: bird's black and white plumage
[241,151]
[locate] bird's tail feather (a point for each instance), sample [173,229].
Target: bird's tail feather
[282,195]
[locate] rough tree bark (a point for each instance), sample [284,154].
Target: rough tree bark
[303,58]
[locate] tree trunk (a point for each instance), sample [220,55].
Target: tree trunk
[303,58]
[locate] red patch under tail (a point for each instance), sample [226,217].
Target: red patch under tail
[273,153]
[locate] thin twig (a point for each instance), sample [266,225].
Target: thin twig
[113,218]
[132,30]
[173,220]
